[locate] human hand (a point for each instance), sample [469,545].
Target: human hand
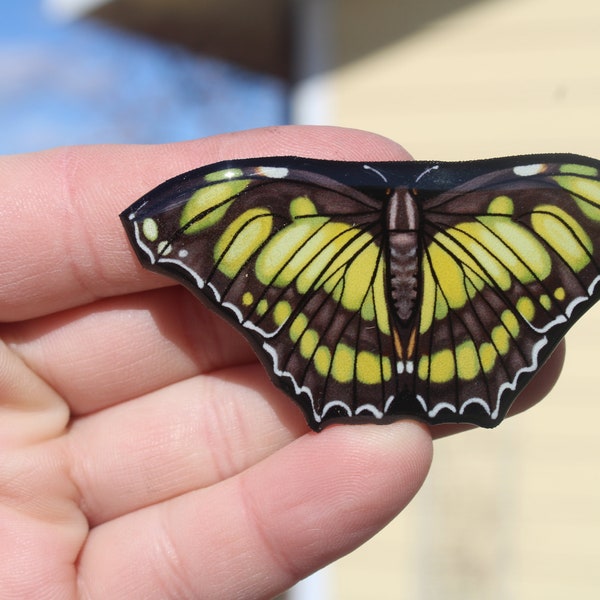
[145,454]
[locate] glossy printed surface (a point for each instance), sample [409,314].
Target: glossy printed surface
[385,290]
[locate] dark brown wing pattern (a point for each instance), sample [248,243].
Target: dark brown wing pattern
[295,253]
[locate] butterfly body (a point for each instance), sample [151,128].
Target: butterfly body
[373,291]
[403,223]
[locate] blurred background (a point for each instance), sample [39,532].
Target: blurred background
[505,514]
[87,71]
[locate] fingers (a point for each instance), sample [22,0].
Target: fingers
[30,410]
[98,355]
[256,534]
[62,244]
[198,432]
[187,436]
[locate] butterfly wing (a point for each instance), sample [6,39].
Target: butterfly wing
[295,260]
[510,261]
[295,253]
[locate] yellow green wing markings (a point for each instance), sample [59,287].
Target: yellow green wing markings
[296,261]
[300,255]
[500,287]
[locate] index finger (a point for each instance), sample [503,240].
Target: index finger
[62,244]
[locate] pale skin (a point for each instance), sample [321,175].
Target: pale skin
[145,453]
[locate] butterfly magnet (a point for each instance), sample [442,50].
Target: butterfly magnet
[373,291]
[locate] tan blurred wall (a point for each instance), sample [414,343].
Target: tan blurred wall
[496,76]
[509,513]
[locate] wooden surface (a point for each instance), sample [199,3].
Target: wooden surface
[513,512]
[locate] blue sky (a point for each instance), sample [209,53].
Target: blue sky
[84,82]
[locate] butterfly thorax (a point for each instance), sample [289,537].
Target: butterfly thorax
[403,248]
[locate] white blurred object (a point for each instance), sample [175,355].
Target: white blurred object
[310,99]
[314,587]
[69,10]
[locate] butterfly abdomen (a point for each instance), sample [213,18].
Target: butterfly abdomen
[403,240]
